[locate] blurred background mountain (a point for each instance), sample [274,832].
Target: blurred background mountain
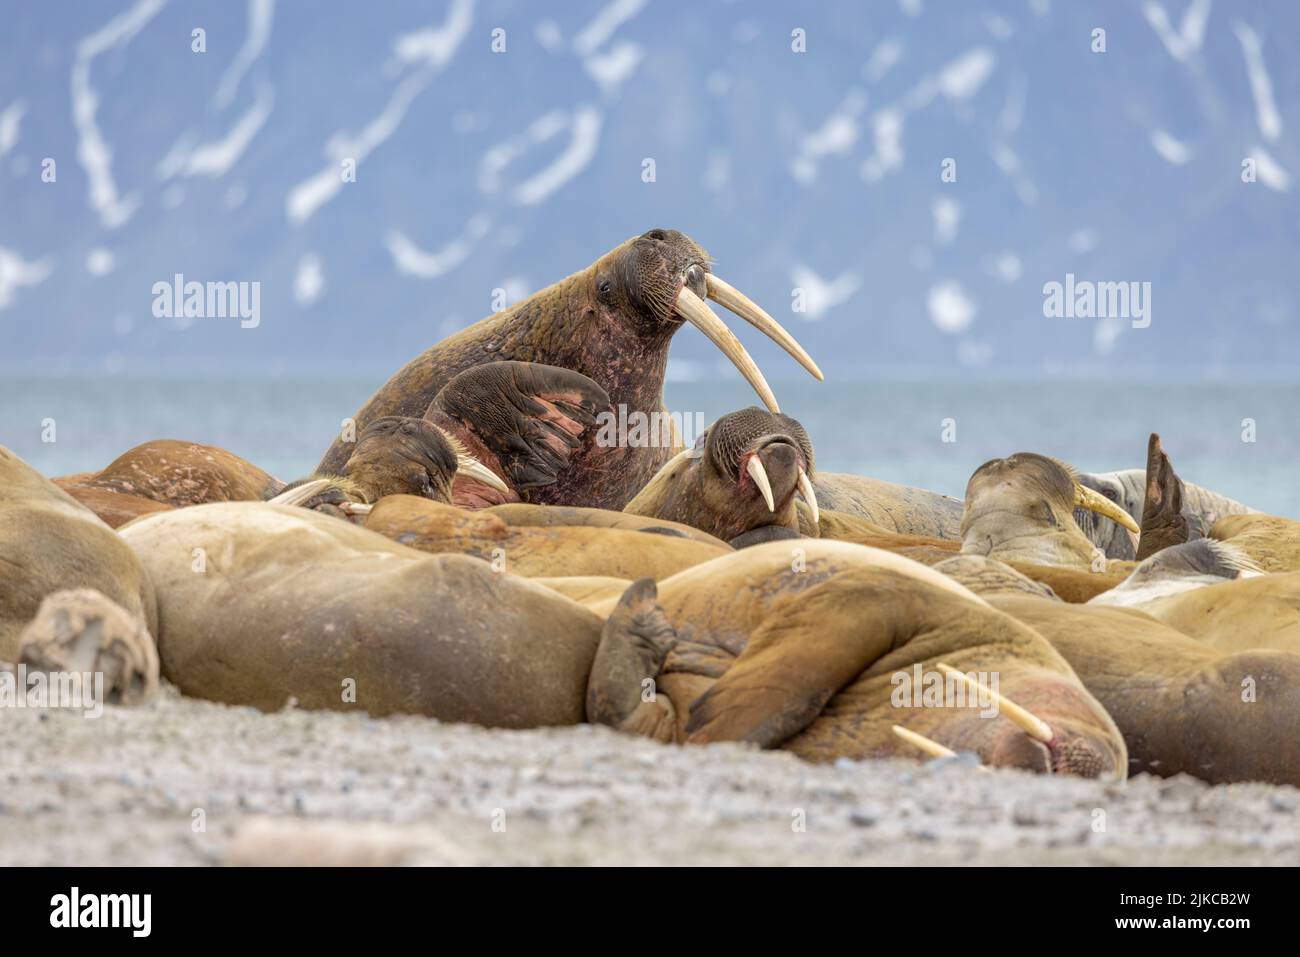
[479,171]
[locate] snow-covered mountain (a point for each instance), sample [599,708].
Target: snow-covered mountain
[500,145]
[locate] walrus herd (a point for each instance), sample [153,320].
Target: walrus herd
[473,548]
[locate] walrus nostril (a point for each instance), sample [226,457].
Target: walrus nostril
[658,234]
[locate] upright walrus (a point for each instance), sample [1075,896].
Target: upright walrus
[611,322]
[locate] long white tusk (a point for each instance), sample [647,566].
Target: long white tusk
[809,496]
[693,309]
[356,508]
[471,467]
[1085,497]
[930,747]
[725,294]
[1027,721]
[300,493]
[759,474]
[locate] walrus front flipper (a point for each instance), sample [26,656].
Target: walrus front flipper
[529,417]
[621,688]
[1163,521]
[792,665]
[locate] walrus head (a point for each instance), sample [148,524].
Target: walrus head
[400,455]
[395,455]
[655,282]
[1111,537]
[739,481]
[1021,508]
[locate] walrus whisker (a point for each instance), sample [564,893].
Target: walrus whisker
[724,294]
[809,496]
[300,493]
[693,309]
[1094,501]
[1026,720]
[471,467]
[759,474]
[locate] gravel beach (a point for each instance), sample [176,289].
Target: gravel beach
[181,781]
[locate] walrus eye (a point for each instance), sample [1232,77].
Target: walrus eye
[605,288]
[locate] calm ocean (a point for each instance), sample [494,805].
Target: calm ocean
[891,430]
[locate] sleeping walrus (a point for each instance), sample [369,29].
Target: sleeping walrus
[293,604]
[805,645]
[1021,508]
[395,455]
[612,323]
[1182,705]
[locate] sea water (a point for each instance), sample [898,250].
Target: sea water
[1241,439]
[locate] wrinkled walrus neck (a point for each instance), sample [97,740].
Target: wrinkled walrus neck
[561,325]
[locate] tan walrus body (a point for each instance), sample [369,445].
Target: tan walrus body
[1184,707]
[292,604]
[167,473]
[1261,612]
[533,550]
[1273,543]
[49,542]
[895,508]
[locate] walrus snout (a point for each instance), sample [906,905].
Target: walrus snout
[779,476]
[766,453]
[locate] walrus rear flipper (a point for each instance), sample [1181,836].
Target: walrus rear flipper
[793,664]
[1163,521]
[528,418]
[633,644]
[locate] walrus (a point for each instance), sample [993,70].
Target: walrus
[740,479]
[1258,542]
[295,605]
[1247,612]
[1022,508]
[50,542]
[550,550]
[167,473]
[1183,706]
[896,508]
[523,515]
[1270,541]
[613,323]
[395,455]
[807,656]
[1128,489]
[1177,569]
[1069,584]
